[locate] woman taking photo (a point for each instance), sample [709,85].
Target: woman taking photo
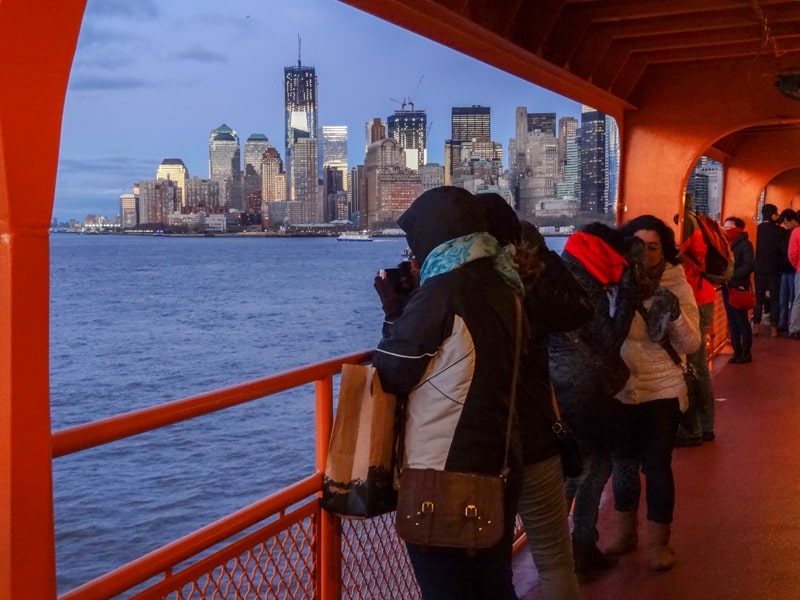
[655,394]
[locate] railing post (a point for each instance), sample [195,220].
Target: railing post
[329,540]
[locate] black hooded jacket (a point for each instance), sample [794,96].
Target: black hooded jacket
[451,349]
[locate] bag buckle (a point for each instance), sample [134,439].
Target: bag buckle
[471,511]
[427,507]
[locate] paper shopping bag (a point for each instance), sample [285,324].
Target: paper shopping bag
[359,472]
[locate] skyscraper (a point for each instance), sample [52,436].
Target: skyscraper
[300,89]
[544,122]
[254,149]
[409,128]
[376,130]
[468,123]
[224,165]
[174,170]
[593,161]
[334,149]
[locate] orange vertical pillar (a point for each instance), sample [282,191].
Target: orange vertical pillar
[37,43]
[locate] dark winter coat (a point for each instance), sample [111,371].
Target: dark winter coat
[451,350]
[576,368]
[743,261]
[556,303]
[768,254]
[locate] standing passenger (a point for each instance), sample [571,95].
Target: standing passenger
[738,325]
[554,301]
[794,258]
[788,221]
[655,394]
[767,268]
[451,351]
[580,362]
[697,425]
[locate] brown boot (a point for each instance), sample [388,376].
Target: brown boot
[625,536]
[659,553]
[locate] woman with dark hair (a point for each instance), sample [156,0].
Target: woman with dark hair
[655,394]
[554,301]
[743,265]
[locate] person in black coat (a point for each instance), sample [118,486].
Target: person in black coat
[768,265]
[743,264]
[554,301]
[587,370]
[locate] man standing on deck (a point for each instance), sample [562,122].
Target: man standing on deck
[768,268]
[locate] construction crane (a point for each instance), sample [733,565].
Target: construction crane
[409,100]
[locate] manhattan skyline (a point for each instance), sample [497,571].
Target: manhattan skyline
[151,79]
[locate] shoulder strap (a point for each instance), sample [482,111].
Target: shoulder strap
[665,343]
[512,401]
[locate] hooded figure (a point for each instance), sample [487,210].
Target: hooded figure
[451,352]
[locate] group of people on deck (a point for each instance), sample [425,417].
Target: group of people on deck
[604,325]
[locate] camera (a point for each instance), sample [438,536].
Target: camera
[399,277]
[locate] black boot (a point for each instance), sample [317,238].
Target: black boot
[590,563]
[745,357]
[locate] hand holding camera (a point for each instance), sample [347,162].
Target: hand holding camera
[394,286]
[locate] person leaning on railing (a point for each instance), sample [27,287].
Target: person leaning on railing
[451,350]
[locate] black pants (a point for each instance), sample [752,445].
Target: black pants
[764,284]
[645,436]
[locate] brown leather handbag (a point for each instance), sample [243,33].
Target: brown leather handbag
[457,510]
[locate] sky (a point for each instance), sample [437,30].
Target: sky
[152,78]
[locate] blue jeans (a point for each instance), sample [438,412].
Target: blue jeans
[452,574]
[586,489]
[544,515]
[645,433]
[786,299]
[794,317]
[699,418]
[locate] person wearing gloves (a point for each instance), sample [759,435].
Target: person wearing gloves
[654,396]
[450,350]
[586,370]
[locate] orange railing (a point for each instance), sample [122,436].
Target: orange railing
[281,546]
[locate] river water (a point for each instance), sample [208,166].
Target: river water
[139,321]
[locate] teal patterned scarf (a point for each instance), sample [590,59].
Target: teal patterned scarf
[459,251]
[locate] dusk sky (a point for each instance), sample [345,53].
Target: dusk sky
[152,78]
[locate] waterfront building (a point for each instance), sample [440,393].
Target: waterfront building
[300,112]
[375,131]
[467,124]
[254,148]
[333,185]
[567,128]
[409,128]
[174,170]
[390,185]
[202,194]
[539,171]
[432,175]
[611,192]
[544,122]
[157,200]
[224,165]
[593,161]
[129,210]
[334,149]
[569,188]
[357,196]
[304,181]
[273,178]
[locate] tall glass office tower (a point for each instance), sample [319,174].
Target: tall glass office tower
[300,87]
[225,164]
[409,128]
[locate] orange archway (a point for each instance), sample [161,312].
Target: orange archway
[37,43]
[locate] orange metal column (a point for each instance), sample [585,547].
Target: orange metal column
[37,43]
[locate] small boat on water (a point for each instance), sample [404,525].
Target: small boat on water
[355,236]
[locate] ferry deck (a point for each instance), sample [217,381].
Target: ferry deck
[683,79]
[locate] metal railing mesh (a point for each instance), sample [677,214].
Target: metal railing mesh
[374,561]
[276,561]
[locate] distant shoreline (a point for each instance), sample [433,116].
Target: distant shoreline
[245,234]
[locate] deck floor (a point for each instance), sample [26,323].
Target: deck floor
[736,531]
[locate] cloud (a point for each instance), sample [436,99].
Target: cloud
[85,83]
[140,10]
[201,55]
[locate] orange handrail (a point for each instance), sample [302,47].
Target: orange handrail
[103,431]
